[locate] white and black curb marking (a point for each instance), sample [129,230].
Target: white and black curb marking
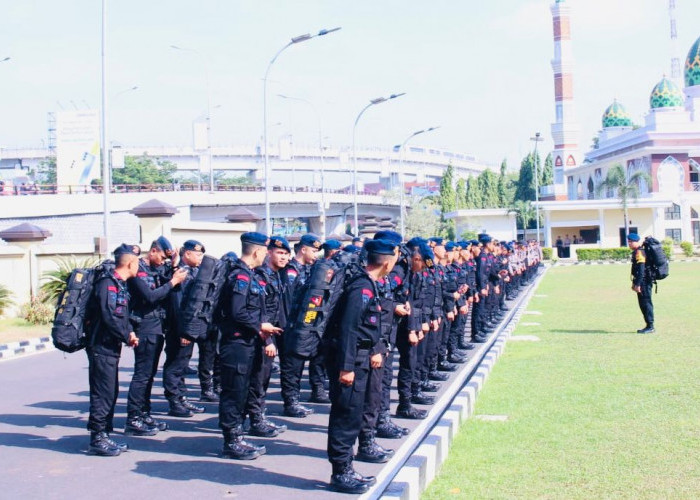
[13,350]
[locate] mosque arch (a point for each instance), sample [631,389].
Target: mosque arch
[591,188]
[670,176]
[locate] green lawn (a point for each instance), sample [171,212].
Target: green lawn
[594,410]
[15,329]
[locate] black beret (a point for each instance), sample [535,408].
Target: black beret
[193,245]
[415,242]
[392,236]
[254,238]
[352,249]
[382,247]
[124,249]
[484,238]
[163,243]
[356,239]
[279,242]
[229,256]
[437,240]
[450,245]
[426,254]
[633,237]
[332,245]
[310,240]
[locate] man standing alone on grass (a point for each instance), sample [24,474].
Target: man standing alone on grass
[641,282]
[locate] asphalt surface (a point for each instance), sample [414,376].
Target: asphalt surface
[43,440]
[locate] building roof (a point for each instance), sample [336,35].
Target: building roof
[692,65]
[666,94]
[616,116]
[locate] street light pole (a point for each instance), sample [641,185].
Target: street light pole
[320,146]
[401,178]
[372,102]
[537,139]
[293,41]
[106,184]
[205,62]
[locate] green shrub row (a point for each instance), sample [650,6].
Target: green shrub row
[546,253]
[603,253]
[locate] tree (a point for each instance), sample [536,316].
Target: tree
[626,187]
[547,176]
[503,186]
[525,190]
[45,172]
[144,170]
[448,202]
[461,193]
[422,218]
[473,196]
[487,183]
[524,213]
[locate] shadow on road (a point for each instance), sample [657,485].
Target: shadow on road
[230,473]
[68,444]
[32,420]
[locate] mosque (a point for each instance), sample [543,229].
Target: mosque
[666,147]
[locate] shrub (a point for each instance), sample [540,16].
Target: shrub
[667,245]
[37,311]
[546,253]
[585,254]
[55,281]
[687,248]
[5,298]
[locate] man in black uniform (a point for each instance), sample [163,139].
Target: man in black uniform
[109,328]
[178,348]
[242,325]
[641,282]
[268,275]
[354,334]
[148,291]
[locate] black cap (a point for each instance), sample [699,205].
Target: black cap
[332,245]
[352,249]
[310,240]
[382,247]
[255,238]
[279,242]
[193,245]
[125,249]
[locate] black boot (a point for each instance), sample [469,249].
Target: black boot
[456,358]
[121,446]
[422,399]
[445,366]
[388,429]
[406,410]
[436,375]
[152,422]
[136,426]
[319,395]
[101,445]
[280,428]
[191,406]
[261,428]
[647,329]
[296,410]
[369,451]
[345,480]
[237,448]
[177,409]
[208,395]
[428,386]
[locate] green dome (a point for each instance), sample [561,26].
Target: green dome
[692,65]
[666,94]
[616,116]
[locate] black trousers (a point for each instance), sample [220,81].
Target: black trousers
[347,409]
[146,358]
[456,333]
[434,342]
[177,358]
[236,365]
[207,355]
[478,317]
[445,337]
[259,382]
[387,377]
[291,370]
[104,390]
[645,304]
[408,361]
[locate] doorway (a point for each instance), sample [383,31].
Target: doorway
[623,236]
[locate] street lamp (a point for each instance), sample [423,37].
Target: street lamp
[372,102]
[537,139]
[293,41]
[401,182]
[105,147]
[320,147]
[205,63]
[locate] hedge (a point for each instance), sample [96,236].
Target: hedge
[602,253]
[546,253]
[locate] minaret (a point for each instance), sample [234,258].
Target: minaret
[565,129]
[675,60]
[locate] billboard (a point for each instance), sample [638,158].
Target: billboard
[77,147]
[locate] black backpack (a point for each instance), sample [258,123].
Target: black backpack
[317,300]
[73,314]
[201,297]
[656,258]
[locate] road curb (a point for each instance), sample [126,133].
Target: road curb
[423,464]
[12,350]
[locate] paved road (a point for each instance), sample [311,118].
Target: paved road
[43,443]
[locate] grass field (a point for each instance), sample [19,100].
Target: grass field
[15,329]
[594,410]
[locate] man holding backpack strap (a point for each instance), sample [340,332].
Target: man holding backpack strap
[641,282]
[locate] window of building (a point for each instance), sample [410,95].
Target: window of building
[674,234]
[673,212]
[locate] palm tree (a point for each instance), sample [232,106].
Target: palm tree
[524,213]
[5,298]
[626,187]
[54,282]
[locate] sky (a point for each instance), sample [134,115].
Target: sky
[478,69]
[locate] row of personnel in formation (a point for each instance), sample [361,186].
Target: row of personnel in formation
[413,298]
